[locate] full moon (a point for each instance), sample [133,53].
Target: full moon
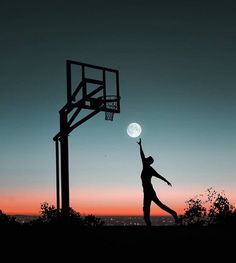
[134,130]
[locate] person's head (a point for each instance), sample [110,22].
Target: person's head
[149,160]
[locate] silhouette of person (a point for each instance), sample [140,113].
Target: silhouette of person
[149,193]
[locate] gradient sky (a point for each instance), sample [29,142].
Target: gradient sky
[177,62]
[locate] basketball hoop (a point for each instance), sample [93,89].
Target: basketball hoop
[111,104]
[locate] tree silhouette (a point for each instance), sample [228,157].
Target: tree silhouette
[219,211]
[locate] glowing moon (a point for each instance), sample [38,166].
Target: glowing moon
[134,130]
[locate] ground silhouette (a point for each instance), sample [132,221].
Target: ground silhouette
[119,243]
[90,239]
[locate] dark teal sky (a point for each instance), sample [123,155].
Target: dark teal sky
[177,62]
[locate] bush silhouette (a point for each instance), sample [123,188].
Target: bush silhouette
[92,221]
[195,213]
[7,220]
[50,216]
[219,211]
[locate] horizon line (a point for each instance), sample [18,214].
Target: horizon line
[97,215]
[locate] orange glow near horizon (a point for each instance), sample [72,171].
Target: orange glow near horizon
[99,202]
[24,202]
[116,202]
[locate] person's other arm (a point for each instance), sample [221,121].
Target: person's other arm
[156,174]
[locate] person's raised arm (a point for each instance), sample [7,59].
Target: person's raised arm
[156,174]
[141,150]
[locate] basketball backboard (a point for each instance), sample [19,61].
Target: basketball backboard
[93,87]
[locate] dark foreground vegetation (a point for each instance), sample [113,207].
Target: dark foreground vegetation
[202,232]
[116,243]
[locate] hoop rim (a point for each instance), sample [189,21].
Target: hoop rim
[110,98]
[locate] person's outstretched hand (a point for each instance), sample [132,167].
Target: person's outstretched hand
[169,184]
[139,142]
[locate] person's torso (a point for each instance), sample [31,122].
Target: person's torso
[146,177]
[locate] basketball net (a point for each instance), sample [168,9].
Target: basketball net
[110,105]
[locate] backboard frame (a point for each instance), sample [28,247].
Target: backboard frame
[101,89]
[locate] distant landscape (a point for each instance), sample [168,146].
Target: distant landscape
[114,220]
[212,209]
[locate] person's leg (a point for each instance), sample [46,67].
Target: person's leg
[146,210]
[165,208]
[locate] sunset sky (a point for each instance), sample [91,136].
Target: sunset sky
[177,62]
